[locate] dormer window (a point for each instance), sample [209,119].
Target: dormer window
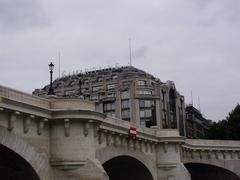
[114,77]
[100,79]
[86,82]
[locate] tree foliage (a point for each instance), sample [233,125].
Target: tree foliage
[228,129]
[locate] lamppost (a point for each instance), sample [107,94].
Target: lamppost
[51,67]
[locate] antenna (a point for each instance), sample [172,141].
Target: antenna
[191,98]
[199,107]
[59,64]
[130,52]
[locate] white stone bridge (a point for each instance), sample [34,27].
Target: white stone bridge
[65,139]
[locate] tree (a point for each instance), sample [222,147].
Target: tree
[234,123]
[218,130]
[228,129]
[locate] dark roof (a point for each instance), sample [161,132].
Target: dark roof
[123,70]
[107,71]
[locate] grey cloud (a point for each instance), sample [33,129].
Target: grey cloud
[213,12]
[20,14]
[207,22]
[233,16]
[140,52]
[192,42]
[203,3]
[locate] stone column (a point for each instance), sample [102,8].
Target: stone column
[169,165]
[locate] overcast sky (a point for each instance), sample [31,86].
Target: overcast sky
[195,43]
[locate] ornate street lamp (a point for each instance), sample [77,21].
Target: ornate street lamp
[51,67]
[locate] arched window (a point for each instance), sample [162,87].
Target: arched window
[172,109]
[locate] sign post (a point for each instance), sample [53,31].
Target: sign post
[133,132]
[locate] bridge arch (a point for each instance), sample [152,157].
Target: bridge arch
[112,155]
[14,146]
[13,166]
[126,167]
[205,171]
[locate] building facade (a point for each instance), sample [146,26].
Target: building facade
[196,124]
[126,93]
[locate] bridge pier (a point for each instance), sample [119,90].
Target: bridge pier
[91,170]
[73,150]
[169,165]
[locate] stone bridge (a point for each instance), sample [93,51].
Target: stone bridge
[212,156]
[66,139]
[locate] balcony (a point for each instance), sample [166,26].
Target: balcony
[105,99]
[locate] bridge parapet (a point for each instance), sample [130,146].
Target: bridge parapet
[18,104]
[220,153]
[19,96]
[210,149]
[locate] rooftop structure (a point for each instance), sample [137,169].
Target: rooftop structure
[126,93]
[196,124]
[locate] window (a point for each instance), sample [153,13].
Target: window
[100,96]
[146,113]
[69,93]
[142,83]
[111,113]
[142,113]
[141,103]
[144,92]
[125,104]
[97,88]
[58,85]
[98,107]
[189,116]
[94,97]
[100,79]
[126,114]
[86,82]
[110,86]
[125,109]
[111,95]
[72,83]
[146,103]
[109,109]
[114,77]
[172,109]
[142,123]
[109,106]
[84,90]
